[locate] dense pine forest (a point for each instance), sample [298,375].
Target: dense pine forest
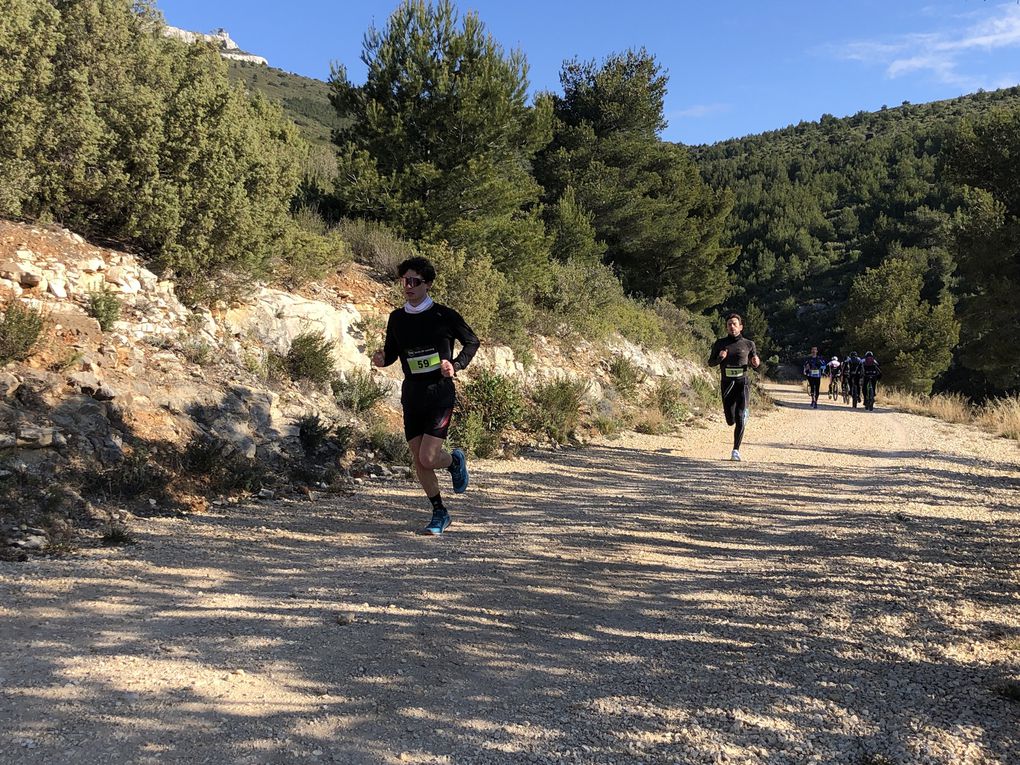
[895,231]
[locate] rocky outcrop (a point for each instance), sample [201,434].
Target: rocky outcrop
[219,38]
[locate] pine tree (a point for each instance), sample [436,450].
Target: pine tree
[28,41]
[986,156]
[912,338]
[660,223]
[438,141]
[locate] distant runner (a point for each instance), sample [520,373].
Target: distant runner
[733,354]
[872,373]
[814,368]
[421,335]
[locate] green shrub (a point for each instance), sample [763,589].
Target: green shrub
[139,474]
[390,444]
[104,307]
[309,255]
[668,398]
[343,436]
[197,352]
[310,358]
[312,433]
[469,432]
[117,534]
[497,400]
[607,426]
[375,245]
[19,332]
[222,468]
[358,390]
[627,376]
[557,407]
[704,392]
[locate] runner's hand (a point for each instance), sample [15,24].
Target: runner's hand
[378,358]
[446,368]
[723,354]
[755,361]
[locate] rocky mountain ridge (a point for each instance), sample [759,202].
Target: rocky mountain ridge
[220,39]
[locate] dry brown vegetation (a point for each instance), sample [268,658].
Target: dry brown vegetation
[999,416]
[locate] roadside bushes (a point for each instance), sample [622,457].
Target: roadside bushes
[488,406]
[310,358]
[19,331]
[358,390]
[556,408]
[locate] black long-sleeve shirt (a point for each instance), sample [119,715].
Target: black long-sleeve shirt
[422,341]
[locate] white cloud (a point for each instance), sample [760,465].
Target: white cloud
[939,53]
[700,110]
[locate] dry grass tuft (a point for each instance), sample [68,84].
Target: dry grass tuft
[1002,417]
[999,416]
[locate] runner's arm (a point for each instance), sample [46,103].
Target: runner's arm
[713,357]
[468,341]
[753,358]
[391,351]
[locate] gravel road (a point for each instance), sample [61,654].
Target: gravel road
[848,594]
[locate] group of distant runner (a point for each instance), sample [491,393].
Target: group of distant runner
[422,334]
[854,380]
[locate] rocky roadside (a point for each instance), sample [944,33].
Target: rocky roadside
[162,408]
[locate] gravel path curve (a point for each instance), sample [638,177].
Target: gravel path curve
[848,594]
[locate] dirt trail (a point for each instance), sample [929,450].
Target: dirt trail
[848,594]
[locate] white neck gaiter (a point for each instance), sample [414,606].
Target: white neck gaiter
[422,307]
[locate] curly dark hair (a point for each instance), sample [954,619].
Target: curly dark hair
[423,266]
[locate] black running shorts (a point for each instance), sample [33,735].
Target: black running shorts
[423,421]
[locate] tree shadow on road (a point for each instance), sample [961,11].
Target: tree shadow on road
[618,604]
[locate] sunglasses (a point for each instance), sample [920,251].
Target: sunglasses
[411,281]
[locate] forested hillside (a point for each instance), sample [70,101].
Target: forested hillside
[817,204]
[894,231]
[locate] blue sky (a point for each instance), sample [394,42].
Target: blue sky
[735,68]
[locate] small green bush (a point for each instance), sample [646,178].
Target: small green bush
[470,433]
[627,376]
[375,245]
[197,352]
[117,534]
[309,252]
[223,469]
[310,358]
[390,444]
[19,332]
[343,436]
[358,390]
[139,474]
[557,407]
[497,399]
[104,307]
[668,398]
[706,394]
[312,433]
[607,426]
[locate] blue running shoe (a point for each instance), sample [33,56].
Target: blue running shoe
[437,525]
[459,471]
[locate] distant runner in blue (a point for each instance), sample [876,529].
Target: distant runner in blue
[814,369]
